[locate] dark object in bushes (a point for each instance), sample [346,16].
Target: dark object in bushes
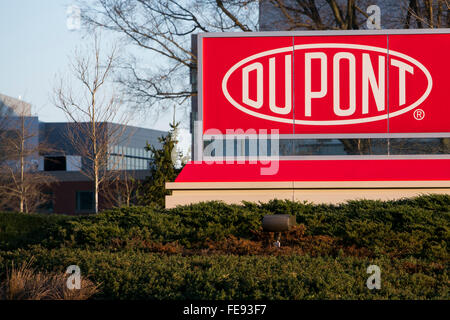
[278,222]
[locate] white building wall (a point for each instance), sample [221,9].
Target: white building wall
[73,163]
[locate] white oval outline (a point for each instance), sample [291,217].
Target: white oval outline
[325,46]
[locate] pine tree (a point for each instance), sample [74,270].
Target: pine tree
[162,169]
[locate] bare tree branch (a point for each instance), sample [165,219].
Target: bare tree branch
[21,184]
[91,130]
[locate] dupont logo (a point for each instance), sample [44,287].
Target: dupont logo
[328,84]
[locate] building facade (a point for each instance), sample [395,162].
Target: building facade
[62,155]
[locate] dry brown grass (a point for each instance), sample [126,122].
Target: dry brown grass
[25,283]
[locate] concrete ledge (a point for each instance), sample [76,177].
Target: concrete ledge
[332,192]
[336,196]
[305,185]
[230,197]
[228,185]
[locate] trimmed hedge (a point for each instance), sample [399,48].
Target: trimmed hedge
[19,230]
[218,251]
[416,227]
[138,275]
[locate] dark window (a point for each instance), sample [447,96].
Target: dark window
[420,146]
[85,201]
[54,163]
[334,147]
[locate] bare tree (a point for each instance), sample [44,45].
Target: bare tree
[318,14]
[22,186]
[91,112]
[351,14]
[163,27]
[122,190]
[427,13]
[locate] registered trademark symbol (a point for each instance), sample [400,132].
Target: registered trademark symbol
[419,114]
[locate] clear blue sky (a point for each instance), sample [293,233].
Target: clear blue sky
[36,45]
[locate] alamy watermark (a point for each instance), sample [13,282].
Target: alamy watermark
[374,18]
[74,280]
[374,281]
[236,146]
[73,21]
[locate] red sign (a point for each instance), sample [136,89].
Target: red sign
[326,84]
[235,84]
[321,170]
[425,95]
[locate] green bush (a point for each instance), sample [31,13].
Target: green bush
[190,225]
[21,229]
[218,251]
[137,275]
[416,227]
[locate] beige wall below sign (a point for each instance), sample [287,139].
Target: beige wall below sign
[332,192]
